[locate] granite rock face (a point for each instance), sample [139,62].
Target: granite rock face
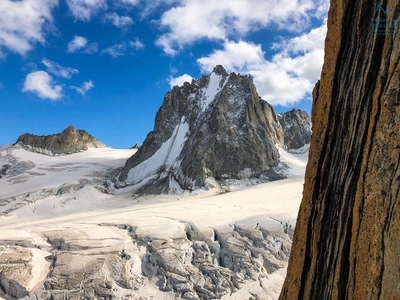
[296,127]
[67,142]
[215,127]
[347,238]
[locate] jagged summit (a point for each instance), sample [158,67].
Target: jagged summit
[296,127]
[220,70]
[67,142]
[216,128]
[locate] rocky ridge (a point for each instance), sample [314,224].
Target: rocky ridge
[214,129]
[296,128]
[346,241]
[67,142]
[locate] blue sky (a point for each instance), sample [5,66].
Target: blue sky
[105,66]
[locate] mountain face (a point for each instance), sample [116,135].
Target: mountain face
[67,142]
[215,127]
[347,238]
[296,128]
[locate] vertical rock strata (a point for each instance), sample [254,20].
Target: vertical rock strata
[347,238]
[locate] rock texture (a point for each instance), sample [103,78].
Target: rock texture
[120,266]
[12,282]
[296,127]
[67,142]
[347,238]
[216,127]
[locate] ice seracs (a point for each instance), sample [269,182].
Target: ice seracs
[62,235]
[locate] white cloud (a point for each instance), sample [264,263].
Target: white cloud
[302,43]
[116,50]
[131,2]
[41,83]
[235,57]
[149,7]
[123,48]
[22,22]
[137,44]
[80,43]
[86,86]
[287,77]
[119,21]
[173,81]
[1,85]
[83,10]
[195,20]
[58,70]
[77,43]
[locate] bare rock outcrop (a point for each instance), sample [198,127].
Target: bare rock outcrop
[67,142]
[347,238]
[296,128]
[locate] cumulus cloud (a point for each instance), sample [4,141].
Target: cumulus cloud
[86,86]
[123,48]
[194,20]
[235,56]
[41,83]
[58,70]
[173,81]
[287,77]
[80,43]
[22,22]
[119,21]
[83,10]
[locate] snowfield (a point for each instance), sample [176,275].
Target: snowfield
[72,237]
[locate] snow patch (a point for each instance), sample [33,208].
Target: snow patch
[165,157]
[174,186]
[52,172]
[292,162]
[214,87]
[5,147]
[302,150]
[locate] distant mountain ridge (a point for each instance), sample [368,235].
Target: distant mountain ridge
[215,128]
[68,141]
[296,128]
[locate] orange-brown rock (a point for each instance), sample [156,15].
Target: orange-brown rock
[347,238]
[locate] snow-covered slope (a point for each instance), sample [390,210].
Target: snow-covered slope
[63,235]
[26,175]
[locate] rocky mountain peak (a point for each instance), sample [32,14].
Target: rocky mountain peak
[220,70]
[214,129]
[68,141]
[296,126]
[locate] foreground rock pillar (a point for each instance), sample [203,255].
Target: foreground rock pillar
[347,238]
